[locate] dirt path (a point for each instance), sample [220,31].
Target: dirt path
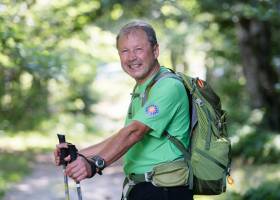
[46,183]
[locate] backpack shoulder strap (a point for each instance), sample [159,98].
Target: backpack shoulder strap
[133,95]
[168,74]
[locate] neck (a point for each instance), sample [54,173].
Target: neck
[153,71]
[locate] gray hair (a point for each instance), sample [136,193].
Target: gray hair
[139,25]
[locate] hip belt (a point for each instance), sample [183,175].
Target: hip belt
[170,174]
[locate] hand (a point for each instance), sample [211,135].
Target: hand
[79,169]
[57,153]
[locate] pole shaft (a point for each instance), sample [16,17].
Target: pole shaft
[66,188]
[79,191]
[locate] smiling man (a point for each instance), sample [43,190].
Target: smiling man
[142,141]
[137,54]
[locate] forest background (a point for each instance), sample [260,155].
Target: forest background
[52,54]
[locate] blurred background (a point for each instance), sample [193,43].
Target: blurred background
[60,73]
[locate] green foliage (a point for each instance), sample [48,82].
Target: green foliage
[268,190]
[25,67]
[233,196]
[230,85]
[33,53]
[229,16]
[262,10]
[229,195]
[78,125]
[256,147]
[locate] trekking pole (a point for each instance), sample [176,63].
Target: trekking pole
[73,153]
[63,154]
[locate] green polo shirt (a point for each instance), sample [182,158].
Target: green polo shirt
[167,108]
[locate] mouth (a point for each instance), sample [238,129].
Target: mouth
[134,66]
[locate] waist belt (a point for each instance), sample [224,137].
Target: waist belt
[138,178]
[178,168]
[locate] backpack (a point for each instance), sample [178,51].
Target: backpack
[209,154]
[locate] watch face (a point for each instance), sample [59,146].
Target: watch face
[99,162]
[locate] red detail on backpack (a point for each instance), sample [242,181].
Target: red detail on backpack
[200,83]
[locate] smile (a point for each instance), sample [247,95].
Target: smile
[134,66]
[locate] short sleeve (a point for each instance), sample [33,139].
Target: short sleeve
[164,100]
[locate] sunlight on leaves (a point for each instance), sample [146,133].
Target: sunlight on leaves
[5,60]
[117,12]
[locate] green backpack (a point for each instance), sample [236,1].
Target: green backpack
[209,154]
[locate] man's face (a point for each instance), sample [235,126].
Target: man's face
[138,57]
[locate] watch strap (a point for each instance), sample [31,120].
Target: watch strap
[97,159]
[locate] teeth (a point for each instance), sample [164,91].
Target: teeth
[135,66]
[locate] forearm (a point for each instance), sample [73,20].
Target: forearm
[118,146]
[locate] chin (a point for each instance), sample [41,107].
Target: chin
[135,73]
[136,76]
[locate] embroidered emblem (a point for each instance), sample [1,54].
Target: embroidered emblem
[152,110]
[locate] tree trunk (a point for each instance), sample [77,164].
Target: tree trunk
[255,43]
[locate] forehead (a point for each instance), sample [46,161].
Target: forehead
[135,35]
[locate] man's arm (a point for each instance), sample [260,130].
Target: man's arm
[122,141]
[110,150]
[115,146]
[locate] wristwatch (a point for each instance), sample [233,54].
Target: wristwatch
[99,163]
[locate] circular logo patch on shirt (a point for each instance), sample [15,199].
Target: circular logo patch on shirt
[152,110]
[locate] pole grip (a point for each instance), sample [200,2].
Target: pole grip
[63,151]
[73,151]
[61,138]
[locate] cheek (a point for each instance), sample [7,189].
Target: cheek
[123,58]
[143,56]
[148,57]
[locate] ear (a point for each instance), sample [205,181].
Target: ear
[156,51]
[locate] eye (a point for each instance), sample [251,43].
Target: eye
[124,51]
[138,49]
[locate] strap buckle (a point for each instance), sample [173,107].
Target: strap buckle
[199,102]
[148,176]
[127,187]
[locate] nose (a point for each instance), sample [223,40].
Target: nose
[132,56]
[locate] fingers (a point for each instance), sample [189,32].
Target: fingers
[61,145]
[57,153]
[78,174]
[78,169]
[67,158]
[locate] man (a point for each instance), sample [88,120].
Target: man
[142,140]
